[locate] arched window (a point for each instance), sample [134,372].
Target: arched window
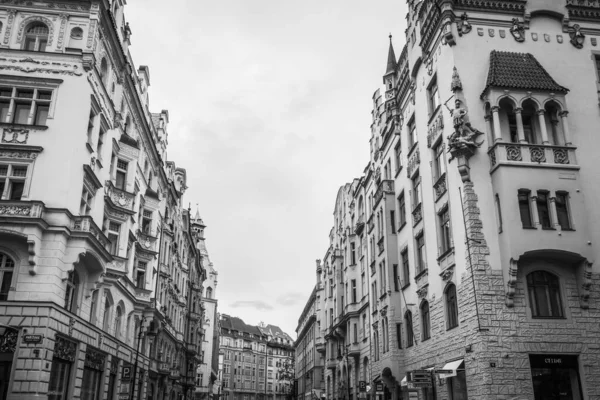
[7,269]
[104,71]
[72,292]
[544,295]
[209,293]
[451,307]
[94,307]
[425,321]
[36,37]
[118,320]
[76,37]
[107,312]
[409,329]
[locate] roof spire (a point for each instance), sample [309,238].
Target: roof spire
[197,217]
[391,61]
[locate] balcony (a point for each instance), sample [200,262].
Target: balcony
[142,294]
[360,224]
[354,349]
[164,368]
[175,374]
[146,241]
[86,224]
[532,155]
[417,214]
[413,162]
[118,266]
[320,344]
[21,209]
[119,197]
[440,187]
[194,316]
[191,348]
[332,364]
[387,187]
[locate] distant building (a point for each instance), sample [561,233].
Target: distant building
[257,361]
[310,350]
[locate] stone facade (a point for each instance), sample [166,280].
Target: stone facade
[472,225]
[100,274]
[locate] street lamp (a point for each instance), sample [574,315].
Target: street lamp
[137,354]
[340,357]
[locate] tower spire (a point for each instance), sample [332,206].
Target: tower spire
[391,61]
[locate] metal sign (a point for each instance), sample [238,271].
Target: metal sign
[127,370]
[32,338]
[362,386]
[379,387]
[415,385]
[443,371]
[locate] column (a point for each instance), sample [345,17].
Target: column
[520,130]
[496,119]
[553,213]
[565,127]
[543,129]
[489,129]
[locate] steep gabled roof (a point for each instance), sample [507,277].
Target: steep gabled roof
[519,71]
[391,61]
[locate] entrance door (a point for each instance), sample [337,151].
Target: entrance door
[5,367]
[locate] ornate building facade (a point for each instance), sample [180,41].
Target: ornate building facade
[100,273]
[461,264]
[257,361]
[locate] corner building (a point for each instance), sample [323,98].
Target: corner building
[470,237]
[100,275]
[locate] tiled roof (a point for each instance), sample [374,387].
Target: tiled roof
[519,71]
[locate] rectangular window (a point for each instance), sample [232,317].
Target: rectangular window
[445,231]
[543,209]
[393,220]
[362,285]
[90,129]
[140,279]
[439,166]
[597,59]
[87,198]
[146,221]
[60,374]
[562,210]
[396,277]
[399,335]
[420,254]
[411,133]
[353,290]
[402,210]
[525,208]
[433,96]
[12,181]
[416,191]
[355,331]
[121,174]
[405,268]
[100,144]
[30,106]
[90,384]
[113,237]
[398,157]
[374,291]
[353,253]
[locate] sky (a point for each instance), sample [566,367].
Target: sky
[270,111]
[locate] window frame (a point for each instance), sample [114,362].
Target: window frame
[425,321]
[410,334]
[524,204]
[411,130]
[7,181]
[73,286]
[545,221]
[401,210]
[39,39]
[451,306]
[445,231]
[405,267]
[567,210]
[532,302]
[433,96]
[13,102]
[5,269]
[420,256]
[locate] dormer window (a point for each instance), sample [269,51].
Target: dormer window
[36,37]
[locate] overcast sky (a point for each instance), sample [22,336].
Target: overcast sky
[270,105]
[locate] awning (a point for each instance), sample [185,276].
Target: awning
[404,382]
[451,366]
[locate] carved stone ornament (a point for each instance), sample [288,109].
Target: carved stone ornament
[18,136]
[422,291]
[502,33]
[491,32]
[65,349]
[577,37]
[446,274]
[518,30]
[383,311]
[511,284]
[28,20]
[9,24]
[71,325]
[586,284]
[463,26]
[463,141]
[8,341]
[456,84]
[94,359]
[534,36]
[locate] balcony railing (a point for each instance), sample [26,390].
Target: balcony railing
[146,241]
[386,186]
[22,209]
[86,224]
[417,214]
[360,224]
[532,155]
[413,162]
[119,197]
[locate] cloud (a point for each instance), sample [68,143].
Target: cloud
[256,304]
[290,299]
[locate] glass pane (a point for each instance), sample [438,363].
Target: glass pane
[25,93]
[6,92]
[16,191]
[120,180]
[59,380]
[30,43]
[44,95]
[19,172]
[540,293]
[41,114]
[5,287]
[21,114]
[4,107]
[43,43]
[3,170]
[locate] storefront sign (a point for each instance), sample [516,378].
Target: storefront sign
[379,387]
[32,338]
[362,386]
[443,371]
[127,371]
[553,361]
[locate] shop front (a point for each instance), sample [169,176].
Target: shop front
[555,377]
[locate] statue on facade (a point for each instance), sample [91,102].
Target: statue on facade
[517,30]
[464,136]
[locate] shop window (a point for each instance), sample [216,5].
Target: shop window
[544,295]
[7,269]
[451,307]
[555,377]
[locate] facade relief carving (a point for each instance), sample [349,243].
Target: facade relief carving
[28,20]
[518,30]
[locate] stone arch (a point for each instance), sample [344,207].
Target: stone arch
[36,18]
[531,99]
[33,246]
[508,97]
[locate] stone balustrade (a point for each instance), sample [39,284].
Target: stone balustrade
[532,155]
